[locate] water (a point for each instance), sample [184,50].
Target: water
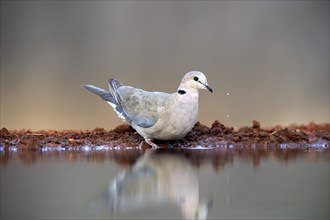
[165,184]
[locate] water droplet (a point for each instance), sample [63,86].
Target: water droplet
[227,93]
[13,149]
[86,148]
[59,148]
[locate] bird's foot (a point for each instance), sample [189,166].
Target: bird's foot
[150,142]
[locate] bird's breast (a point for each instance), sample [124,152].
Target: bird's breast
[177,118]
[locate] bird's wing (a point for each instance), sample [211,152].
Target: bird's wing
[140,107]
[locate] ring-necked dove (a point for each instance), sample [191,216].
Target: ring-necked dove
[156,115]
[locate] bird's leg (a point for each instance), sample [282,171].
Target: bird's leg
[152,144]
[149,141]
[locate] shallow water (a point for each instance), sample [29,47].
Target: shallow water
[237,183]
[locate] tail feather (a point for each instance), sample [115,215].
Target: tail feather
[105,95]
[109,97]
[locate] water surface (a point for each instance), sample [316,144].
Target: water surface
[175,183]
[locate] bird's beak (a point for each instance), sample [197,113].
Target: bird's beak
[208,87]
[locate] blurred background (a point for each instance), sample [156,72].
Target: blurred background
[271,57]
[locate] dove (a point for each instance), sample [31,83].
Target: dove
[156,115]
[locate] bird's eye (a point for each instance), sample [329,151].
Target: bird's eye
[196,78]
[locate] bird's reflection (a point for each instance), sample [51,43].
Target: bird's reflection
[157,178]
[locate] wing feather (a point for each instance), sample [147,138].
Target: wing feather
[141,107]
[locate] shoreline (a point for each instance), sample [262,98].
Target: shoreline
[216,136]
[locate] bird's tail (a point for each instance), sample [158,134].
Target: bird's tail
[110,97]
[95,90]
[105,95]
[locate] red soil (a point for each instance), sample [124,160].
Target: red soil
[123,136]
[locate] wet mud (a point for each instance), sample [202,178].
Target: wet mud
[123,136]
[216,144]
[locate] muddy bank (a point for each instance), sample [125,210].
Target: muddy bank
[123,136]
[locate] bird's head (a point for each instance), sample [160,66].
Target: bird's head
[194,80]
